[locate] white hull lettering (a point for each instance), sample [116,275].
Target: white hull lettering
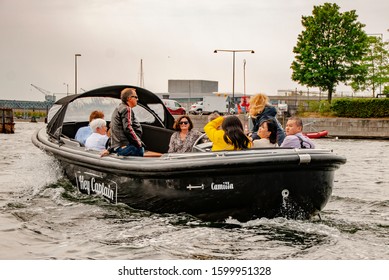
[222,186]
[91,186]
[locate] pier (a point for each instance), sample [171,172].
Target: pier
[27,109]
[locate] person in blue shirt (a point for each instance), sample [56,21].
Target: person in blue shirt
[84,132]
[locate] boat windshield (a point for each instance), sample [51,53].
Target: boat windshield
[80,109]
[53,110]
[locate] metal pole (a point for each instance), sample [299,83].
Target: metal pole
[75,72]
[382,41]
[233,83]
[67,88]
[190,96]
[233,73]
[244,77]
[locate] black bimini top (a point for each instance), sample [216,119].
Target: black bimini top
[149,105]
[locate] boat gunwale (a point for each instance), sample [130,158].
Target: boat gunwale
[253,159]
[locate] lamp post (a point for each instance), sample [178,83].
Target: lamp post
[233,72]
[67,88]
[75,72]
[244,77]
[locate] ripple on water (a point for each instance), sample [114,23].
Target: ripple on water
[46,218]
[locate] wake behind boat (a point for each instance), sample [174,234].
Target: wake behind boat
[213,186]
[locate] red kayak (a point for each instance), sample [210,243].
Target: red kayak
[319,134]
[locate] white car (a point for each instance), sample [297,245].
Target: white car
[197,108]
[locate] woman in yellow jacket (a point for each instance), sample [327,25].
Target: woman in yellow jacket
[231,135]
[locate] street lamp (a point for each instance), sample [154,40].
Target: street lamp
[67,88]
[244,77]
[233,72]
[75,72]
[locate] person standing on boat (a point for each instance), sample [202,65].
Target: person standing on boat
[261,110]
[267,133]
[98,139]
[185,136]
[126,131]
[84,132]
[294,136]
[231,135]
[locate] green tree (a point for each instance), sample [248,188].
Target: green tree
[330,48]
[386,91]
[376,64]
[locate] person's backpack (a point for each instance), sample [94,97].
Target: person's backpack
[302,141]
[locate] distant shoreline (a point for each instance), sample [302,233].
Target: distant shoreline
[351,128]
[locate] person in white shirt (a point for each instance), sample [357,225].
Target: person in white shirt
[98,139]
[267,133]
[84,132]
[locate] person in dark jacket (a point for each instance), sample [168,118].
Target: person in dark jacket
[126,131]
[260,111]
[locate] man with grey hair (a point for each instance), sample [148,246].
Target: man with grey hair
[294,136]
[98,139]
[126,131]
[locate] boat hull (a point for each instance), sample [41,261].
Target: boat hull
[211,186]
[244,196]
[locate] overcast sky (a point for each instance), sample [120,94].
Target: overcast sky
[175,39]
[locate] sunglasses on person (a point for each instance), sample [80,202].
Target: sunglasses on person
[183,122]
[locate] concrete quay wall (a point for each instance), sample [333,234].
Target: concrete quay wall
[351,127]
[336,127]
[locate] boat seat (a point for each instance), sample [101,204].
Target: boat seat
[151,154]
[69,129]
[156,139]
[70,142]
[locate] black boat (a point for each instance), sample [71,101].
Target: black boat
[213,186]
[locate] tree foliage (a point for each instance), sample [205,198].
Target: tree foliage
[376,64]
[329,49]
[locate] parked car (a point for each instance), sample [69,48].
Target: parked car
[174,107]
[197,108]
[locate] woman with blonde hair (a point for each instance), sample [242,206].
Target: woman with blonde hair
[261,110]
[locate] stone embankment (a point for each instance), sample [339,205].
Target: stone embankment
[336,127]
[351,127]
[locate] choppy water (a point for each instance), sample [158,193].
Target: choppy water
[42,217]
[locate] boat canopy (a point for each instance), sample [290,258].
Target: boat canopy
[77,108]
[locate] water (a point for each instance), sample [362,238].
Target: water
[43,217]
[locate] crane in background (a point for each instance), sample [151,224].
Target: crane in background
[49,97]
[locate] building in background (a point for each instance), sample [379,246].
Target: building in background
[188,92]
